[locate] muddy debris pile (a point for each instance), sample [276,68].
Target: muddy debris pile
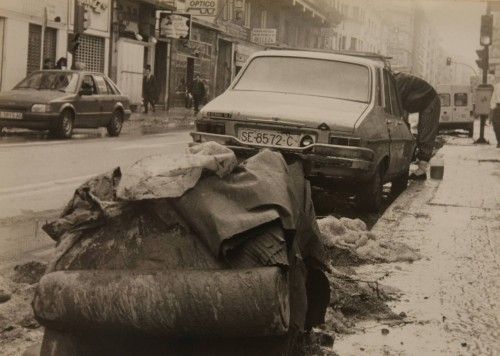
[350,243]
[18,327]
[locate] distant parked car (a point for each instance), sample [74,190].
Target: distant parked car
[340,113]
[60,100]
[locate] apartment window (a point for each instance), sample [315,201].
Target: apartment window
[248,13]
[263,19]
[228,10]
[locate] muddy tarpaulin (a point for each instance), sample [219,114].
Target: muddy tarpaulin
[75,300]
[258,213]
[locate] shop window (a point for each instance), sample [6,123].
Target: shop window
[35,43]
[91,53]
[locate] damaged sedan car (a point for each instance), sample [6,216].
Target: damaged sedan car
[339,112]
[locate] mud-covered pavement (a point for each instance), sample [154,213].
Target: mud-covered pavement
[450,296]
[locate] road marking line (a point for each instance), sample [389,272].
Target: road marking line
[44,185]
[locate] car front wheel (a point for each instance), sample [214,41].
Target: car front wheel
[369,195]
[115,125]
[64,125]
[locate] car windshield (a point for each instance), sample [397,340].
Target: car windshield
[307,76]
[62,81]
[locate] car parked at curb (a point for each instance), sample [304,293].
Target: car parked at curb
[61,100]
[339,112]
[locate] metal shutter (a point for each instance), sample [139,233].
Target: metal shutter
[34,45]
[91,53]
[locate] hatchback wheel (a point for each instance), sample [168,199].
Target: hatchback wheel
[369,195]
[115,125]
[64,125]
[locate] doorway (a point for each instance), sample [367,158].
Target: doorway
[224,63]
[190,74]
[161,71]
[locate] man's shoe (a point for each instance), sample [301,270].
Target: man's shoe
[414,176]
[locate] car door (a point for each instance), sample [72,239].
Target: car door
[87,106]
[446,109]
[399,132]
[106,100]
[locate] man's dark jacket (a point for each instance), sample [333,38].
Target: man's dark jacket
[198,90]
[149,87]
[416,94]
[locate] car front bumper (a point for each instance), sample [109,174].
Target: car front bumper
[324,160]
[35,121]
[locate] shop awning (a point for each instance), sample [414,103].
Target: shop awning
[306,6]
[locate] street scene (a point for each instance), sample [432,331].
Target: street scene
[249,177]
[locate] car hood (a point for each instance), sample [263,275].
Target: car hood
[312,111]
[28,97]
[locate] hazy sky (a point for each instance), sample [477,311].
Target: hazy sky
[457,23]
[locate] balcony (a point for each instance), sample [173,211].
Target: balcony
[318,9]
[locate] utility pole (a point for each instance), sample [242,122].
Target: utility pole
[485,40]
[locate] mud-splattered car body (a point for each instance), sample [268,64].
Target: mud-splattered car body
[341,115]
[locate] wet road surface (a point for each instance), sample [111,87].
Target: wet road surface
[39,176]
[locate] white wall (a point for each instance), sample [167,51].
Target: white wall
[15,52]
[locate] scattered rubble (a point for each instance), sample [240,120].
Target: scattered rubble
[30,272]
[350,243]
[18,327]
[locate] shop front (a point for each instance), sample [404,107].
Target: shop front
[92,53]
[190,58]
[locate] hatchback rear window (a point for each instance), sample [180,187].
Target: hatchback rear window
[307,76]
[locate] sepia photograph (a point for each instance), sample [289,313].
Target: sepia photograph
[249,177]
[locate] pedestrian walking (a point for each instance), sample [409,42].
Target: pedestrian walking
[418,96]
[148,89]
[198,92]
[495,112]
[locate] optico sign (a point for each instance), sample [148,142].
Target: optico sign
[202,7]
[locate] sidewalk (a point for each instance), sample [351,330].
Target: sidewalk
[451,296]
[159,121]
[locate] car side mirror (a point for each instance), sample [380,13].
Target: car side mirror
[85,91]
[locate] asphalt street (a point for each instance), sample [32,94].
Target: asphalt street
[39,176]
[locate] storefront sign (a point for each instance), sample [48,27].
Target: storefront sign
[263,36]
[174,25]
[98,6]
[327,32]
[202,7]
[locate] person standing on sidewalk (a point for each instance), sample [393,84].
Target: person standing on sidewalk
[148,89]
[198,91]
[495,112]
[418,96]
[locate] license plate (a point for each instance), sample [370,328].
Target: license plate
[268,137]
[11,115]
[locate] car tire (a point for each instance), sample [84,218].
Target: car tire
[369,195]
[64,125]
[115,124]
[400,184]
[471,130]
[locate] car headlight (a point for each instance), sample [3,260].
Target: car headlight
[40,108]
